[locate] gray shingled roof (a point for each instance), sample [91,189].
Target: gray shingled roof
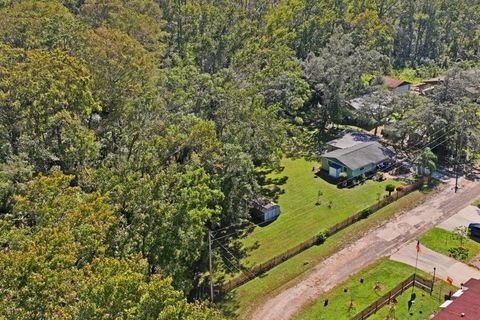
[361,155]
[350,139]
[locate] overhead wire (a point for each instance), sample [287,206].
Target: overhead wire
[366,178]
[415,145]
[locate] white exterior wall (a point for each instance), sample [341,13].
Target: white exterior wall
[272,213]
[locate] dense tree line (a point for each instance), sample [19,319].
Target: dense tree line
[129,128]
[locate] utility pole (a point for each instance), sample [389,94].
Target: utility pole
[433,280]
[210,266]
[456,165]
[458,149]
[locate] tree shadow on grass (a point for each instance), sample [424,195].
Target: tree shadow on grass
[270,187]
[228,304]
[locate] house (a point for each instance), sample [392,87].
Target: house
[356,160]
[395,84]
[434,81]
[465,303]
[376,100]
[427,86]
[265,210]
[366,100]
[348,139]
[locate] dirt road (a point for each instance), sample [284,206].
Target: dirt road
[381,242]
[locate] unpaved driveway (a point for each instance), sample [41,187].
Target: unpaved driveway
[381,242]
[428,259]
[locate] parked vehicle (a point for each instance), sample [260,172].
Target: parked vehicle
[474,229]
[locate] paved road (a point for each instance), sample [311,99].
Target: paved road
[428,259]
[466,216]
[381,242]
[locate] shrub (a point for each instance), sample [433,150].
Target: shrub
[366,213]
[378,176]
[322,236]
[458,253]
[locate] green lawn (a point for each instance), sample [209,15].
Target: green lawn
[387,273]
[425,304]
[441,241]
[301,217]
[245,298]
[476,203]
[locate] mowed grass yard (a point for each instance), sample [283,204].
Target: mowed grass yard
[424,306]
[301,218]
[441,241]
[244,299]
[388,274]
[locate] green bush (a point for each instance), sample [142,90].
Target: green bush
[322,236]
[458,253]
[366,213]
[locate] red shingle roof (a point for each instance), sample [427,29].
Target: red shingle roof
[468,304]
[393,83]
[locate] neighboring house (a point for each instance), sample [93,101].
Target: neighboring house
[357,104]
[427,86]
[465,303]
[348,139]
[370,101]
[361,158]
[395,84]
[265,210]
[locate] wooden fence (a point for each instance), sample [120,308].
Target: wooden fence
[413,280]
[258,269]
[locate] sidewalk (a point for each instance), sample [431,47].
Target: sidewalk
[378,243]
[428,259]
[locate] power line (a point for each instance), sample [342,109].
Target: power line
[238,260]
[411,147]
[301,208]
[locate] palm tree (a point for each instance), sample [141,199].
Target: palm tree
[427,161]
[390,188]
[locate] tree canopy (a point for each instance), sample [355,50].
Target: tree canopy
[128,129]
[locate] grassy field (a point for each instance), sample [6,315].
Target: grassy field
[425,305]
[441,241]
[246,297]
[302,217]
[379,278]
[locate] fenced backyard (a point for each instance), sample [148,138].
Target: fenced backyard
[258,269]
[413,280]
